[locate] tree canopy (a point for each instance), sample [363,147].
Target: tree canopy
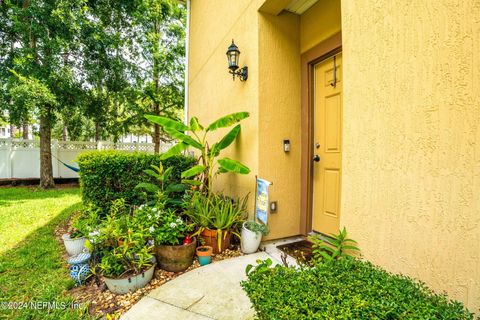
[90,68]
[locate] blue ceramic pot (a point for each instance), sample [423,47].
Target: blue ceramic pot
[204,260]
[79,270]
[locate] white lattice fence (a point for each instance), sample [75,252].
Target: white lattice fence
[21,158]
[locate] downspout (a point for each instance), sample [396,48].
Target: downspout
[187,56]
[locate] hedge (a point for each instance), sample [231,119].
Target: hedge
[109,175]
[345,289]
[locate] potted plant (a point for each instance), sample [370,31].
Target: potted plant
[74,241]
[204,254]
[173,247]
[252,233]
[127,268]
[125,257]
[216,217]
[83,224]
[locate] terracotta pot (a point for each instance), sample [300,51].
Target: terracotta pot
[211,239]
[175,258]
[204,251]
[204,254]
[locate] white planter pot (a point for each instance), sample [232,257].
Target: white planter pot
[250,240]
[73,246]
[130,284]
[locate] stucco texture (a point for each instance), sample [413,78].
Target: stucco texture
[411,154]
[213,93]
[279,118]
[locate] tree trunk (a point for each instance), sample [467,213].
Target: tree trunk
[25,131]
[98,131]
[13,129]
[46,170]
[156,132]
[64,133]
[156,107]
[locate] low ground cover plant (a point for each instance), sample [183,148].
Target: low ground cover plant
[346,288]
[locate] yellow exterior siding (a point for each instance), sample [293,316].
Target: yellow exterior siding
[411,166]
[212,93]
[320,22]
[279,118]
[411,122]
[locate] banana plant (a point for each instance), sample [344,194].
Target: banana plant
[209,163]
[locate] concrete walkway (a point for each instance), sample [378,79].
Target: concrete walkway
[209,292]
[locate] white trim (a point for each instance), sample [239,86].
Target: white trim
[187,56]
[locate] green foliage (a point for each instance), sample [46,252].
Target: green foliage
[165,189]
[257,227]
[85,223]
[333,248]
[227,212]
[208,152]
[99,66]
[164,225]
[109,175]
[121,244]
[29,95]
[200,210]
[344,289]
[216,212]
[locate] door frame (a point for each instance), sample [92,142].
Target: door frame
[309,59]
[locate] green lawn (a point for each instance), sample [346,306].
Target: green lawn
[31,265]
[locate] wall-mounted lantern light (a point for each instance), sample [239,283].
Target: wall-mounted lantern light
[232,55]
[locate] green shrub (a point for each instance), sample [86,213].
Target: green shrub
[109,175]
[344,289]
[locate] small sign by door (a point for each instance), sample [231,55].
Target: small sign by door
[261,200]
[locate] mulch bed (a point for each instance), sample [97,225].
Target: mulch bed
[101,301]
[300,250]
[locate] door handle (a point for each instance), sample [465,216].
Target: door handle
[316,158]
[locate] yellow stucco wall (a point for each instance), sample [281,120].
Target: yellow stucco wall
[279,118]
[411,166]
[411,140]
[212,93]
[320,22]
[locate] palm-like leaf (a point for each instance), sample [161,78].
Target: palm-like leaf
[226,140]
[227,120]
[184,138]
[167,123]
[195,125]
[231,165]
[193,171]
[176,149]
